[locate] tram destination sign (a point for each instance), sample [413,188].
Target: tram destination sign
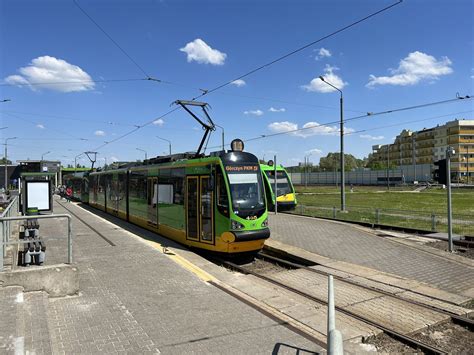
[241,168]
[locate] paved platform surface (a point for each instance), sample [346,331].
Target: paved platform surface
[135,299]
[345,242]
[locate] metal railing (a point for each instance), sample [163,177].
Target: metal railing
[5,228]
[463,224]
[4,241]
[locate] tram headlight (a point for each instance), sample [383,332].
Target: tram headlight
[265,223]
[236,225]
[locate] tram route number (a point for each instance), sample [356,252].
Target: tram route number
[242,168]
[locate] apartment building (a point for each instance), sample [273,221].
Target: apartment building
[429,145]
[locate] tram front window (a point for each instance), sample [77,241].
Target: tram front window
[283,185]
[247,194]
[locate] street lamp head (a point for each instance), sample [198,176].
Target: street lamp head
[321,77]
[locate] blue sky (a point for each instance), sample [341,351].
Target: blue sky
[416,52]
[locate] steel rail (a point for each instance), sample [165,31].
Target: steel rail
[464,321]
[428,349]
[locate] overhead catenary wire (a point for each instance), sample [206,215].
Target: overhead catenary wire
[39,124]
[74,82]
[111,39]
[266,65]
[369,114]
[66,118]
[286,102]
[405,122]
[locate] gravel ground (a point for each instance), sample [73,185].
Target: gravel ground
[442,245]
[264,267]
[448,337]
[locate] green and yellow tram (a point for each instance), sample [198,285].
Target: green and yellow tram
[215,202]
[78,182]
[285,196]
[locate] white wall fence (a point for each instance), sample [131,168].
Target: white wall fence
[399,175]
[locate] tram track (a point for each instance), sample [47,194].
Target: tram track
[83,221]
[403,338]
[460,320]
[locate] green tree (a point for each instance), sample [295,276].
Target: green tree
[331,162]
[2,161]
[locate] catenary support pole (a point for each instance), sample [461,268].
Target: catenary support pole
[276,183]
[449,153]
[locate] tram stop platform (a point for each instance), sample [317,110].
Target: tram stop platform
[136,295]
[393,258]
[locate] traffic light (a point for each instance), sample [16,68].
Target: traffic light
[439,173]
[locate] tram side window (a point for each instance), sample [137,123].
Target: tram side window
[138,194]
[222,197]
[110,189]
[122,191]
[177,179]
[101,190]
[93,190]
[165,187]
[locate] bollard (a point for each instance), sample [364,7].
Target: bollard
[433,222]
[377,216]
[334,212]
[334,336]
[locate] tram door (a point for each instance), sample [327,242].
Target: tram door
[199,207]
[152,200]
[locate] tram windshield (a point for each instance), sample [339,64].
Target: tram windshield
[247,194]
[283,183]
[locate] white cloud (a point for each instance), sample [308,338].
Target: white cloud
[416,67]
[113,159]
[43,71]
[319,86]
[371,138]
[239,82]
[40,126]
[314,151]
[309,129]
[99,133]
[272,109]
[281,127]
[201,52]
[323,53]
[254,112]
[159,122]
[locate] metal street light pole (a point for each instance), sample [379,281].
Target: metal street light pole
[42,155]
[6,158]
[467,166]
[341,130]
[169,142]
[75,162]
[413,156]
[222,134]
[388,166]
[144,151]
[306,170]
